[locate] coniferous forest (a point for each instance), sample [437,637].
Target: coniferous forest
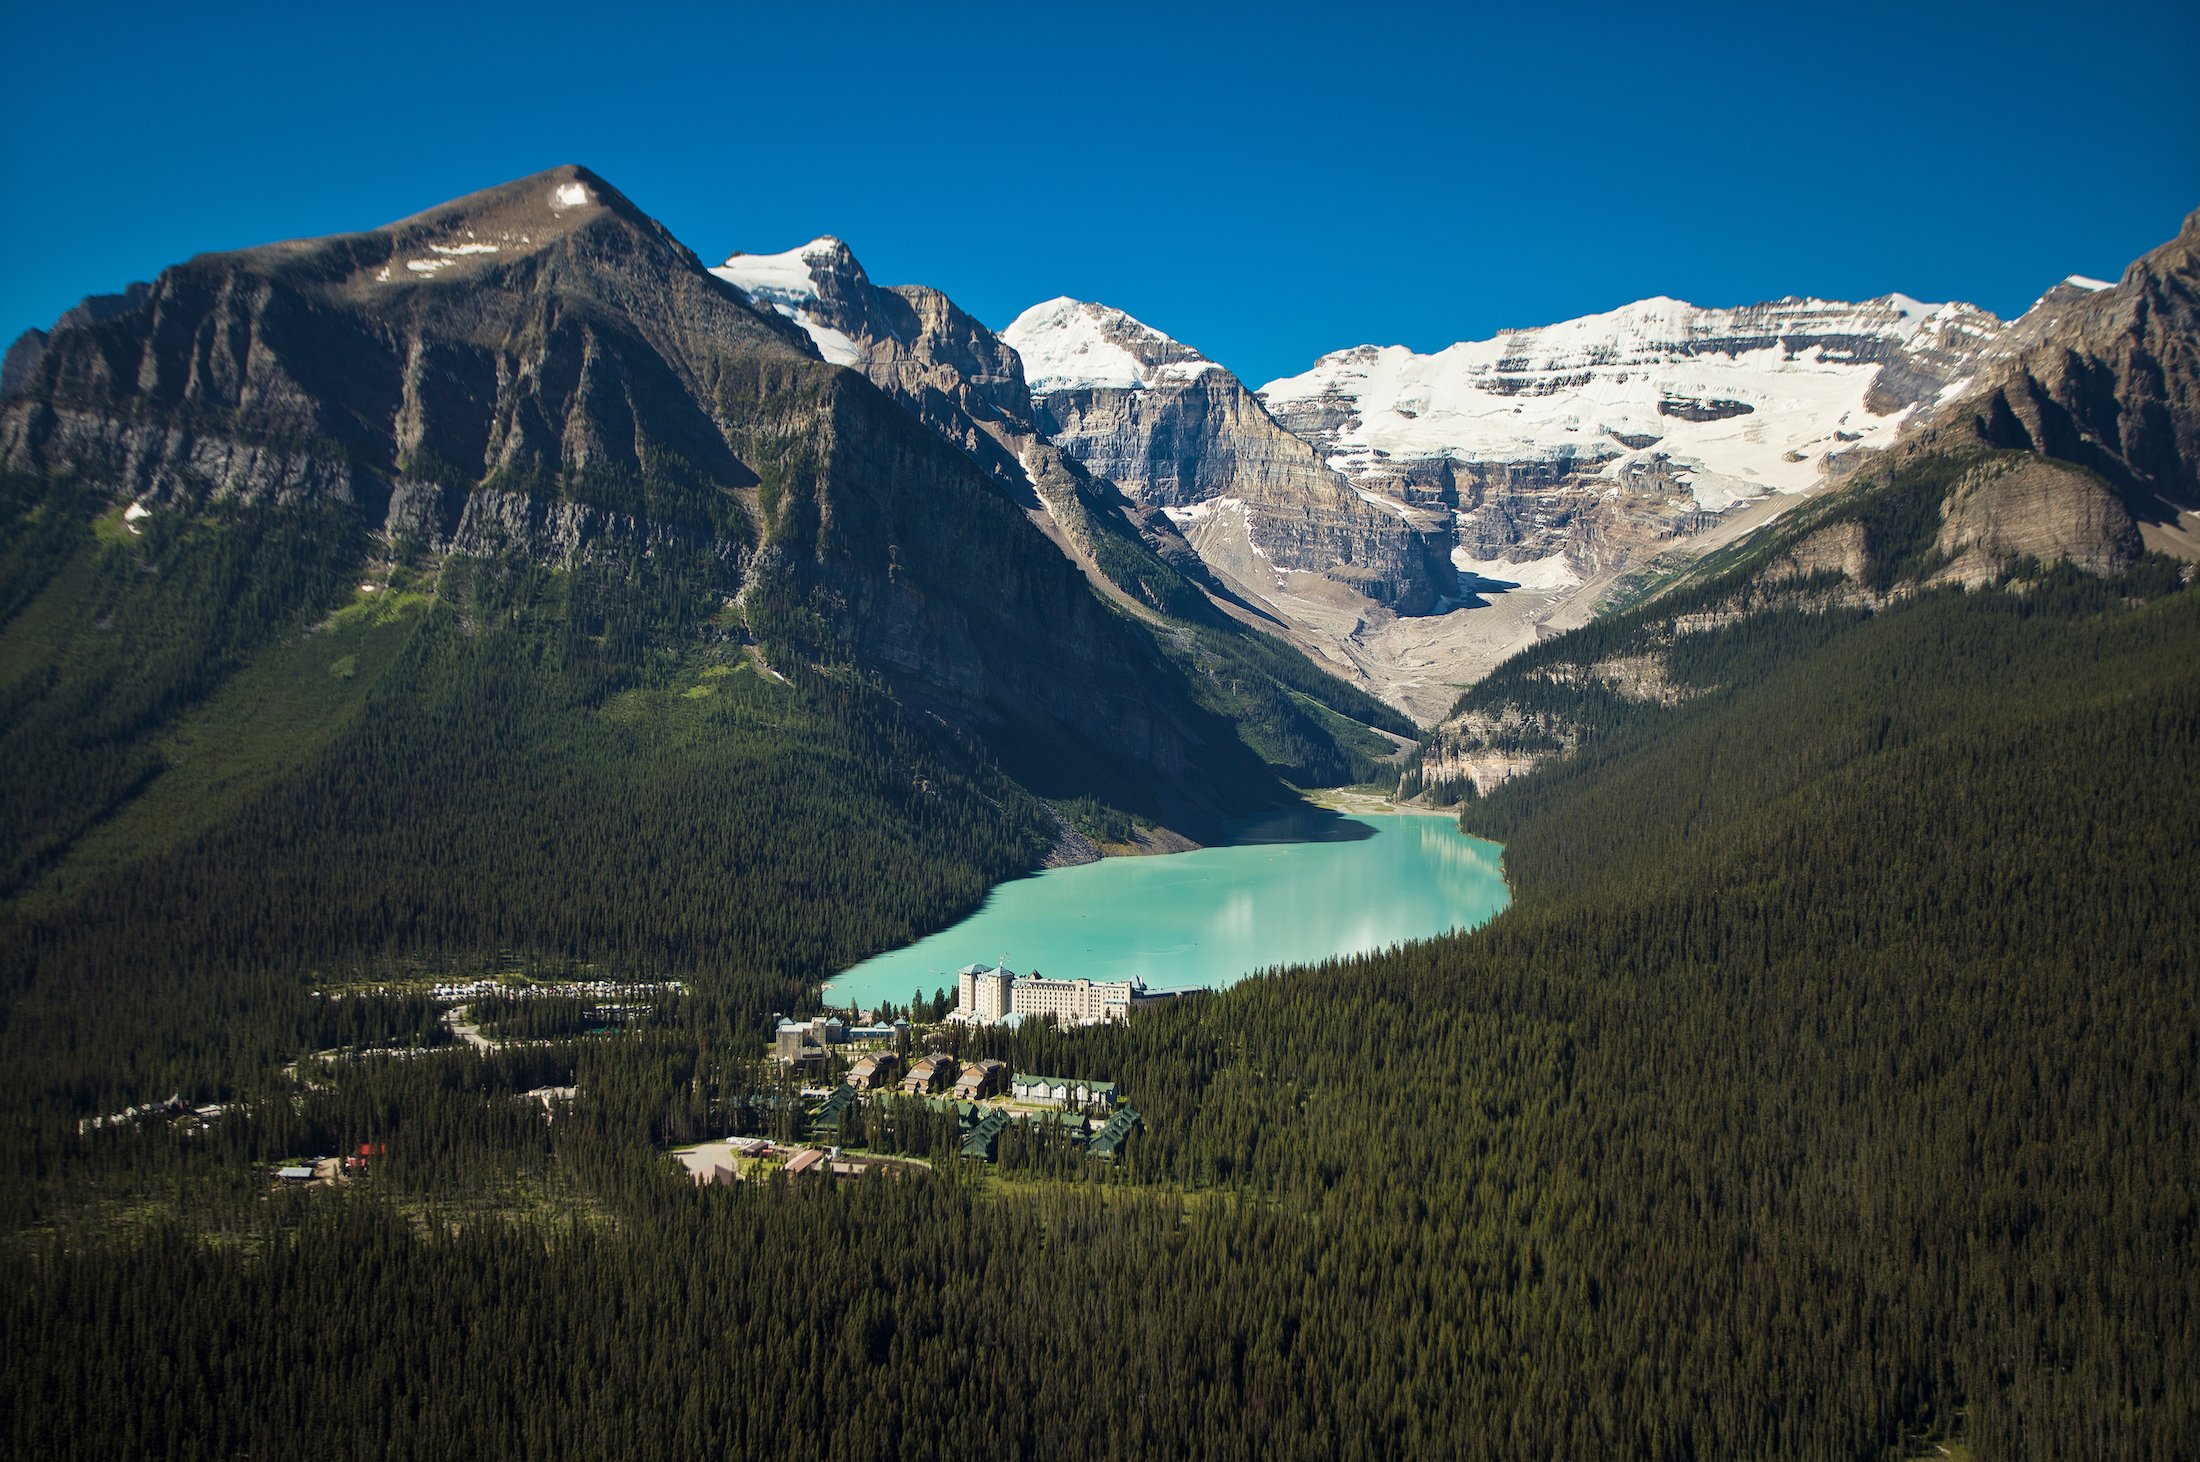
[1827,1091]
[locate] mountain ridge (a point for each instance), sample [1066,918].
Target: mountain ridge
[539,377]
[1407,520]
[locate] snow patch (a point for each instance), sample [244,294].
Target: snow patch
[1388,504]
[132,513]
[568,195]
[781,279]
[2080,281]
[462,248]
[1541,575]
[832,344]
[1715,492]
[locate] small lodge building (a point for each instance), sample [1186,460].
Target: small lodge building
[874,1072]
[1063,1091]
[984,1140]
[1109,1140]
[981,1079]
[804,1161]
[931,1074]
[828,1114]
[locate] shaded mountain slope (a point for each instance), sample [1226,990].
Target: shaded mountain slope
[1916,526]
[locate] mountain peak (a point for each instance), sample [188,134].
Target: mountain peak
[804,284]
[1070,344]
[525,213]
[467,237]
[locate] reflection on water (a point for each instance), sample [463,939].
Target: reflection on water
[1297,825]
[1442,842]
[1340,885]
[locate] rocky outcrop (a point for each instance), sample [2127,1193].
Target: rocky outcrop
[2009,509]
[1842,549]
[2104,376]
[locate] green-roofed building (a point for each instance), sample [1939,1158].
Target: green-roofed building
[984,1140]
[1112,1134]
[828,1114]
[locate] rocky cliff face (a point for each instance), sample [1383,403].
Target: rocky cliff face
[539,371]
[536,334]
[1177,431]
[2005,510]
[2105,376]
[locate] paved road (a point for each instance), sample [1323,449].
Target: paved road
[466,1030]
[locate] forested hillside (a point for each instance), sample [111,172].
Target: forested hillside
[1828,1091]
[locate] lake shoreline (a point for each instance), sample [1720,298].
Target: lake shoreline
[1300,884]
[1072,849]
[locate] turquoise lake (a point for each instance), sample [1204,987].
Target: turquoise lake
[1289,889]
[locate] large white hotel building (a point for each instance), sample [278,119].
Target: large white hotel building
[988,994]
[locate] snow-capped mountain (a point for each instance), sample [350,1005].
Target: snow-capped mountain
[1178,431]
[1071,344]
[793,284]
[913,342]
[1733,402]
[967,384]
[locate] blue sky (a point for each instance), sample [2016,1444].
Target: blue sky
[1265,183]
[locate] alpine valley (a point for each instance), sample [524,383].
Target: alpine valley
[466,686]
